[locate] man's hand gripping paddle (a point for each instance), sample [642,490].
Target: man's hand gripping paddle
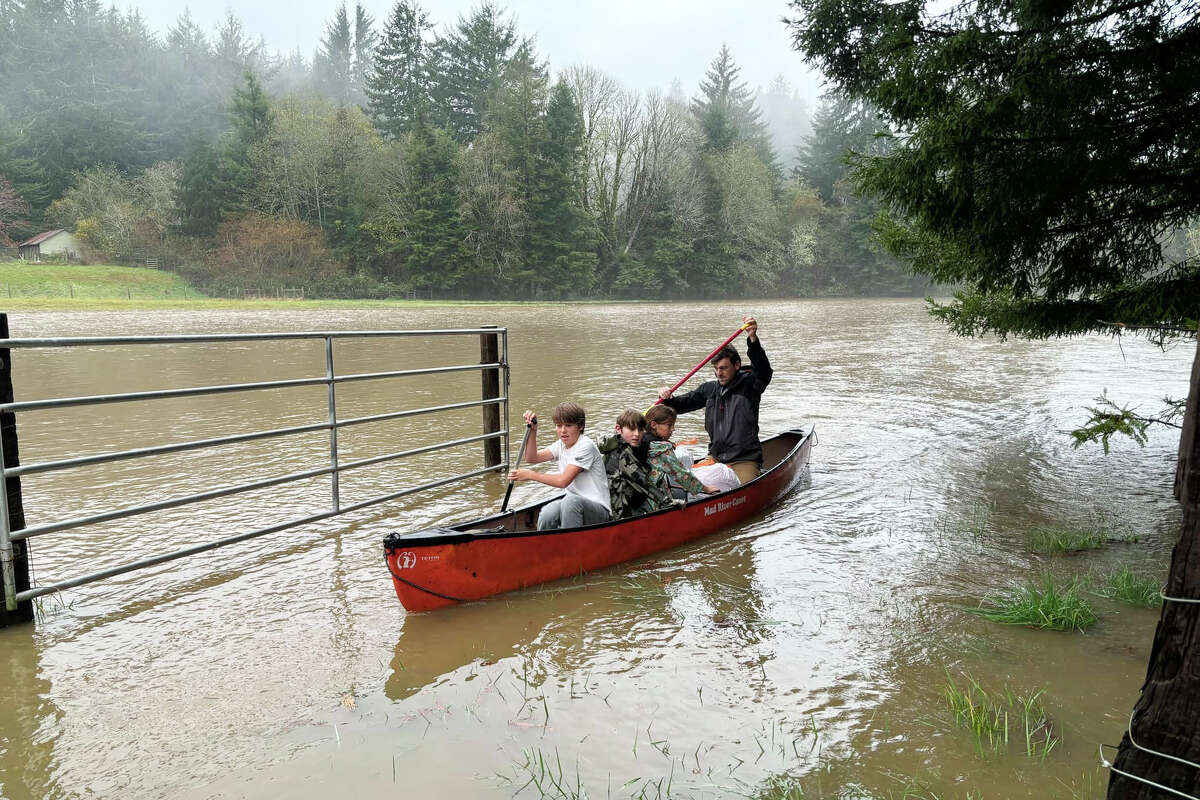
[704,361]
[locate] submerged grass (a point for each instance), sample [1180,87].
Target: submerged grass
[995,719]
[973,522]
[1129,587]
[1055,539]
[1102,530]
[787,787]
[1052,604]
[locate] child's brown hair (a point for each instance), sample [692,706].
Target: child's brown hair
[633,420]
[660,413]
[569,413]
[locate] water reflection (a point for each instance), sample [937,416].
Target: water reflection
[839,609]
[27,761]
[607,622]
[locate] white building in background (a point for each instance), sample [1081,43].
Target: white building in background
[57,243]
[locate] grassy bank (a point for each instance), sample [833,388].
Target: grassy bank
[21,281]
[194,303]
[50,287]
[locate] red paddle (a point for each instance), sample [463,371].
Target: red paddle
[705,360]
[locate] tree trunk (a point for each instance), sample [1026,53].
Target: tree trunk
[1166,717]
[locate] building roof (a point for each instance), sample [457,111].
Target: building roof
[41,237]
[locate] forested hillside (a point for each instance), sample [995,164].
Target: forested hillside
[409,153]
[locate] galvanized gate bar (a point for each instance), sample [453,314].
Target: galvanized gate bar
[200,338]
[162,505]
[158,450]
[333,451]
[404,492]
[415,411]
[7,555]
[100,399]
[122,455]
[34,405]
[366,462]
[8,538]
[370,376]
[241,537]
[504,359]
[266,483]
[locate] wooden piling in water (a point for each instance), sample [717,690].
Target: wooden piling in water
[16,509]
[489,353]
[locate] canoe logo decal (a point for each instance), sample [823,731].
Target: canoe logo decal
[407,559]
[716,508]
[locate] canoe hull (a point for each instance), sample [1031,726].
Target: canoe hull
[458,564]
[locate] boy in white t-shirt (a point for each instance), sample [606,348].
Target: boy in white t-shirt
[581,471]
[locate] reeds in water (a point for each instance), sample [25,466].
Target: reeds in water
[1129,587]
[995,719]
[786,787]
[1051,604]
[1063,539]
[1055,539]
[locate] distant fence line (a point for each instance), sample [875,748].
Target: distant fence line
[86,292]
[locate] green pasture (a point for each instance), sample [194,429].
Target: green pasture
[51,287]
[23,281]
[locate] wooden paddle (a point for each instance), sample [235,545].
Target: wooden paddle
[704,361]
[524,441]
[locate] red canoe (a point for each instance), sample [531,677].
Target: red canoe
[471,560]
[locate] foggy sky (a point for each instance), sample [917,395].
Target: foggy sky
[642,43]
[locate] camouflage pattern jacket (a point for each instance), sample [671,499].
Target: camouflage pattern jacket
[630,488]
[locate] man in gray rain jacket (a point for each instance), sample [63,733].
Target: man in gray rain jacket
[730,405]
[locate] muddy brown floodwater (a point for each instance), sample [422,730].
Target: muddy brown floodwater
[812,643]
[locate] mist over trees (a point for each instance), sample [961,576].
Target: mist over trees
[405,155]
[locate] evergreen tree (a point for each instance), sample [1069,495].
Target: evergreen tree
[562,241]
[1040,179]
[234,51]
[787,117]
[333,63]
[202,190]
[727,113]
[472,59]
[23,171]
[13,208]
[189,87]
[517,120]
[364,52]
[398,89]
[842,127]
[734,247]
[252,119]
[850,260]
[422,235]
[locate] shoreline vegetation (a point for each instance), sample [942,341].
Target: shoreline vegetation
[71,287]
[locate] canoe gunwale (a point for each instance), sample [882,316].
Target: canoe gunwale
[459,563]
[468,531]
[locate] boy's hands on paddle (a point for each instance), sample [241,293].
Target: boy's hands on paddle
[530,418]
[521,474]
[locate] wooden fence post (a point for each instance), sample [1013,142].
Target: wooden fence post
[489,353]
[16,510]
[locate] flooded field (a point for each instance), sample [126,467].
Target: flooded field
[812,652]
